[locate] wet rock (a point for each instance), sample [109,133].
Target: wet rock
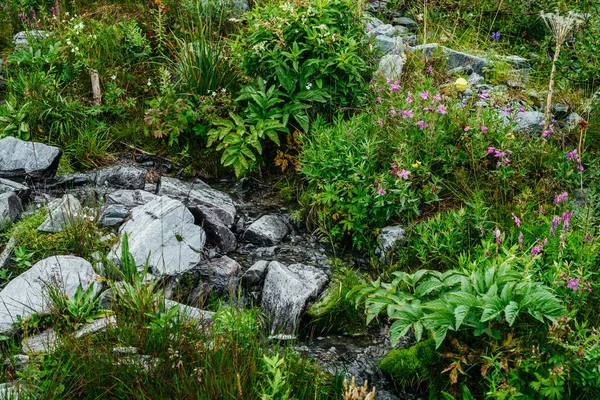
[19,189]
[10,208]
[213,210]
[122,177]
[287,292]
[389,45]
[268,230]
[401,30]
[17,362]
[385,30]
[390,67]
[20,160]
[190,313]
[120,203]
[455,59]
[221,276]
[530,122]
[163,232]
[62,215]
[571,123]
[390,239]
[407,23]
[560,111]
[27,293]
[21,39]
[255,275]
[114,214]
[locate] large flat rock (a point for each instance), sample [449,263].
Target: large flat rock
[20,160]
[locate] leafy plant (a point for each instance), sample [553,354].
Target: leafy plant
[73,312]
[276,383]
[482,302]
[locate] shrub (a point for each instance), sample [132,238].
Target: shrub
[316,43]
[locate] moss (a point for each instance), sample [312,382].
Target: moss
[411,366]
[334,313]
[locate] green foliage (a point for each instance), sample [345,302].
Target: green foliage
[487,300]
[334,312]
[318,43]
[411,366]
[72,313]
[276,386]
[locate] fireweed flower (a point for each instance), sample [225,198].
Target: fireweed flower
[437,97]
[378,99]
[559,198]
[535,251]
[467,128]
[409,98]
[421,124]
[424,95]
[403,174]
[573,284]
[484,128]
[407,114]
[381,192]
[441,109]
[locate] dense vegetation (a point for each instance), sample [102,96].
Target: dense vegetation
[498,281]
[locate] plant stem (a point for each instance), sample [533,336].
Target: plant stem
[551,84]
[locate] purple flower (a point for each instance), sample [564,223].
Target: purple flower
[403,174]
[573,284]
[393,111]
[409,98]
[588,238]
[53,11]
[395,87]
[424,95]
[566,218]
[498,236]
[430,69]
[545,134]
[407,114]
[484,128]
[559,198]
[467,128]
[555,223]
[484,95]
[380,121]
[517,221]
[520,239]
[32,13]
[437,97]
[378,99]
[441,109]
[496,36]
[421,124]
[21,17]
[572,154]
[491,150]
[535,251]
[381,192]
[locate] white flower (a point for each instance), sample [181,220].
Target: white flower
[213,94]
[149,82]
[308,86]
[223,90]
[76,48]
[113,77]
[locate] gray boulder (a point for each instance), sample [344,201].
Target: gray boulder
[163,232]
[221,275]
[390,67]
[27,294]
[20,160]
[389,45]
[21,39]
[120,203]
[268,230]
[560,111]
[287,292]
[407,23]
[475,79]
[390,238]
[529,122]
[19,189]
[190,313]
[10,208]
[213,210]
[255,275]
[122,177]
[385,30]
[63,215]
[571,123]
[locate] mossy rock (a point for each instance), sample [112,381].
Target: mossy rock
[411,366]
[333,312]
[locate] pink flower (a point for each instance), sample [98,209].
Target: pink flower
[403,174]
[441,109]
[427,109]
[424,95]
[407,114]
[484,128]
[545,134]
[380,121]
[430,69]
[409,98]
[467,128]
[378,99]
[559,198]
[572,154]
[393,111]
[437,97]
[517,220]
[421,124]
[381,192]
[520,239]
[484,95]
[395,87]
[491,150]
[498,236]
[379,90]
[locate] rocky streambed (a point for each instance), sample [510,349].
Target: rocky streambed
[231,240]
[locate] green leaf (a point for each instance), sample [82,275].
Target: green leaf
[511,311]
[460,313]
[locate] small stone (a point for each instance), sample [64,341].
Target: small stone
[401,30]
[19,189]
[389,45]
[407,22]
[390,67]
[255,274]
[560,111]
[268,230]
[385,30]
[571,123]
[64,214]
[10,209]
[390,239]
[21,39]
[20,160]
[475,79]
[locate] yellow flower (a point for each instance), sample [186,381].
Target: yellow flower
[510,136]
[461,84]
[416,165]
